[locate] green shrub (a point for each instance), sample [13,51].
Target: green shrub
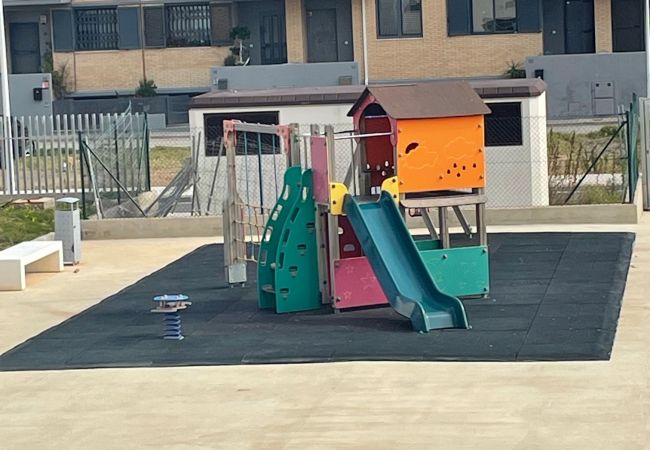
[146,88]
[515,70]
[18,224]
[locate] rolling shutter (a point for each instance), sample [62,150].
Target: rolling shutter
[63,30]
[529,14]
[154,26]
[459,17]
[128,22]
[220,24]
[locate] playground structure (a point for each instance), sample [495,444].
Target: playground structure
[344,242]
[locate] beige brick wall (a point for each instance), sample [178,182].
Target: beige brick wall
[103,70]
[183,67]
[438,55]
[296,33]
[122,69]
[65,59]
[603,19]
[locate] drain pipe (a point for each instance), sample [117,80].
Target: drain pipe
[365,41]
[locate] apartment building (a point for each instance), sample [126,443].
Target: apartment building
[107,46]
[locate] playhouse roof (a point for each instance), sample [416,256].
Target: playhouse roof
[433,99]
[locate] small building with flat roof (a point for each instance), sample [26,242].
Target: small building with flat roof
[515,129]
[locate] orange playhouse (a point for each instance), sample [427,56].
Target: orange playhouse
[435,131]
[423,143]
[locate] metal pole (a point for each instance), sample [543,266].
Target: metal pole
[360,136]
[6,106]
[364,27]
[646,28]
[83,184]
[117,163]
[645,150]
[146,151]
[259,169]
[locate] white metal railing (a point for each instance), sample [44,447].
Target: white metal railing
[41,153]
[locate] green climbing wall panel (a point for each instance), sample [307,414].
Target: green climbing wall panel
[267,258]
[296,277]
[288,267]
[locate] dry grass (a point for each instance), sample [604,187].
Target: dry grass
[166,162]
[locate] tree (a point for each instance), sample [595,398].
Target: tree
[239,51]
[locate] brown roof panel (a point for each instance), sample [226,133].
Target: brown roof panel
[503,88]
[282,96]
[433,99]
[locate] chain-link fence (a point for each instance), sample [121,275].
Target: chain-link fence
[260,168]
[113,167]
[535,162]
[530,162]
[587,163]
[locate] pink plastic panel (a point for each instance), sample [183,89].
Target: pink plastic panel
[356,284]
[319,169]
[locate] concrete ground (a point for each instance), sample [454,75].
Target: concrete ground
[591,405]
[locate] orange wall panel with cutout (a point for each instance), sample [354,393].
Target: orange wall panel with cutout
[440,154]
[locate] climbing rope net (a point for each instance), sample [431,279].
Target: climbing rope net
[257,157]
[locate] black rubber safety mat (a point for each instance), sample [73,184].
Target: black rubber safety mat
[555,296]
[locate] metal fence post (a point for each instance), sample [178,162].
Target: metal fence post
[645,149]
[146,152]
[117,161]
[82,161]
[9,161]
[632,135]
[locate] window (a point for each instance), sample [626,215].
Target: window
[399,18]
[188,25]
[96,29]
[465,17]
[503,126]
[494,16]
[247,143]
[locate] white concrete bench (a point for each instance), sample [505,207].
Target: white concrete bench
[31,256]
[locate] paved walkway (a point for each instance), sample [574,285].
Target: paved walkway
[601,405]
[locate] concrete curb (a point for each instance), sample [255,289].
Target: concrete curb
[173,227]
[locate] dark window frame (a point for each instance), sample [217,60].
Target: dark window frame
[494,14]
[79,42]
[202,41]
[214,133]
[504,130]
[400,34]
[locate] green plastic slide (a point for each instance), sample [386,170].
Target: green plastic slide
[395,259]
